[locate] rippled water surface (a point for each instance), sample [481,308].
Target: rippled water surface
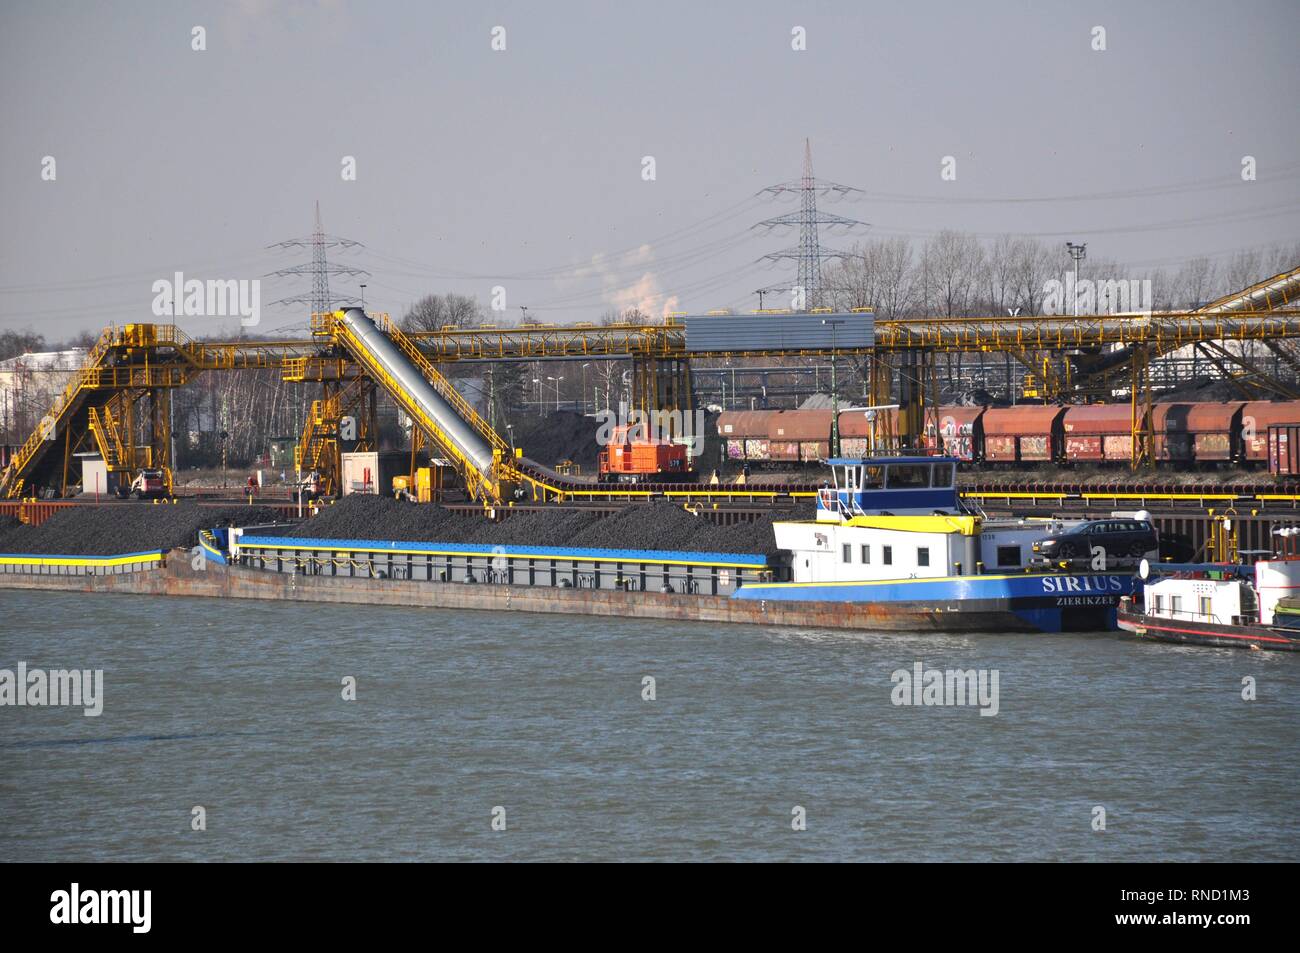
[236,706]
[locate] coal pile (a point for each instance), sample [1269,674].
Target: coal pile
[554,527]
[125,528]
[561,435]
[1214,391]
[362,516]
[669,526]
[649,526]
[7,524]
[367,516]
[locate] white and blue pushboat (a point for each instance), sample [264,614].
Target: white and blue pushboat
[892,534]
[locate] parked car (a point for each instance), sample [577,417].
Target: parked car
[1122,540]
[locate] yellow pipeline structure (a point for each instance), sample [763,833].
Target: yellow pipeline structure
[147,360]
[424,394]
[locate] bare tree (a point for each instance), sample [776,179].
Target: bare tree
[13,343]
[434,312]
[1000,275]
[952,264]
[1034,266]
[1243,270]
[1195,283]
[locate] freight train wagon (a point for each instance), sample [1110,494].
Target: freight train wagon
[1256,419]
[1186,433]
[1196,432]
[776,437]
[1098,433]
[1029,433]
[1284,449]
[962,430]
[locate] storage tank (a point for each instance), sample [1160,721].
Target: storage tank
[1275,579]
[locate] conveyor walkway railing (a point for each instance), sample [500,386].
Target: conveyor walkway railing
[425,395]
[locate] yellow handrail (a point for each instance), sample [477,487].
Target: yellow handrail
[479,485]
[441,383]
[49,424]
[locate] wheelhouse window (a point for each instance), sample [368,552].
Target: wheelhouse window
[942,475]
[872,478]
[847,552]
[866,552]
[908,476]
[887,555]
[923,555]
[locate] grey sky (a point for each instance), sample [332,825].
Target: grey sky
[508,164]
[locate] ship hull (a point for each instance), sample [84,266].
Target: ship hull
[1184,632]
[1020,602]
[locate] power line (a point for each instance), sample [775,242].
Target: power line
[422,269]
[1284,173]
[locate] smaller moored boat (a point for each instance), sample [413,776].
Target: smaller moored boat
[1223,605]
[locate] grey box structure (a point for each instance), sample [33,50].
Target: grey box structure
[779,332]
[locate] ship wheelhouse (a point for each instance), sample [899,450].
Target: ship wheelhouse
[870,486]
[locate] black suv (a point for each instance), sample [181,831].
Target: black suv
[1124,540]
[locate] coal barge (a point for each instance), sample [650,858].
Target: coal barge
[890,549]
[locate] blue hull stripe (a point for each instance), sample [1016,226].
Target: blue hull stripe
[875,500]
[1046,589]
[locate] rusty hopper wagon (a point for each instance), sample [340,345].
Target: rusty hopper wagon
[1195,432]
[1024,434]
[1098,433]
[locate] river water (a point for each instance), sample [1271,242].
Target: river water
[237,707]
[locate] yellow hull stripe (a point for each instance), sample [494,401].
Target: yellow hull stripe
[80,560]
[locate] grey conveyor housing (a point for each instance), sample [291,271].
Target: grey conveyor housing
[418,390]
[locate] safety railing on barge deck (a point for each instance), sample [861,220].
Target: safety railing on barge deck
[635,570]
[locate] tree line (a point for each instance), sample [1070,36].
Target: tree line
[955,274]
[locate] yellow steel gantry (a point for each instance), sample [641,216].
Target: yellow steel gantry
[145,362]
